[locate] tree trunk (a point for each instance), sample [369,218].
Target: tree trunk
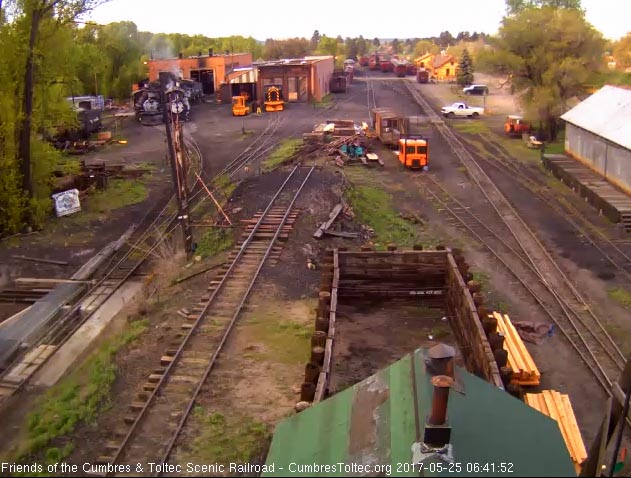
[24,151]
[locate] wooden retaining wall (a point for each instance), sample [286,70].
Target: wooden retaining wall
[463,307]
[432,278]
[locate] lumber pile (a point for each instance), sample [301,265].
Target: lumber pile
[524,370]
[558,407]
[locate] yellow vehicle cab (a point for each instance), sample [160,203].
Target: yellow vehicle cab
[240,106]
[273,98]
[413,152]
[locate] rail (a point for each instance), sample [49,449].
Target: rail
[220,298]
[571,303]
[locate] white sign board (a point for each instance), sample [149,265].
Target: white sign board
[67,202]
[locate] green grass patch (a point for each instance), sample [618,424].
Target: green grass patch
[481,278]
[373,207]
[470,127]
[76,398]
[119,193]
[285,151]
[440,331]
[215,240]
[285,341]
[622,296]
[324,102]
[221,439]
[225,185]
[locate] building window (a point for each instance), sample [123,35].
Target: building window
[447,72]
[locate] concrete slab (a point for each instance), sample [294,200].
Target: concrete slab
[76,345]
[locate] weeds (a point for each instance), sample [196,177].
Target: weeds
[285,151]
[373,207]
[471,127]
[224,184]
[620,295]
[215,240]
[77,398]
[119,193]
[224,440]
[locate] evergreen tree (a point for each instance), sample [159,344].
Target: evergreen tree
[465,71]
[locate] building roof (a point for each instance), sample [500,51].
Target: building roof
[606,113]
[440,60]
[380,420]
[295,61]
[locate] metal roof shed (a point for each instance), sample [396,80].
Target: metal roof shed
[380,420]
[606,113]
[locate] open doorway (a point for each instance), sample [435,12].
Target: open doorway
[206,78]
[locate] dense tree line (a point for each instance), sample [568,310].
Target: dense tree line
[545,47]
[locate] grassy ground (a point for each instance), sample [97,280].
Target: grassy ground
[473,127]
[119,193]
[77,398]
[622,296]
[285,151]
[223,439]
[326,101]
[215,240]
[373,207]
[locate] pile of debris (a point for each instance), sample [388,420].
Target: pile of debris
[95,172]
[345,140]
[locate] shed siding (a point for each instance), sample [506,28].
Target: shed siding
[610,160]
[323,72]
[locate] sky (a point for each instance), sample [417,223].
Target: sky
[295,18]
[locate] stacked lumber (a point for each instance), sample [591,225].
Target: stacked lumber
[558,407]
[524,370]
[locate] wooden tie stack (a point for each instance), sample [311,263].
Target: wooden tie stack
[558,407]
[525,372]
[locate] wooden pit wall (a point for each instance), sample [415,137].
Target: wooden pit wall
[366,275]
[463,311]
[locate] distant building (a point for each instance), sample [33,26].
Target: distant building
[210,70]
[598,134]
[442,67]
[302,80]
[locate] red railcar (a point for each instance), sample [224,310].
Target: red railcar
[422,76]
[411,69]
[386,66]
[373,62]
[400,69]
[364,61]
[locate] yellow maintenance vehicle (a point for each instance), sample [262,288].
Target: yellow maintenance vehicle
[273,98]
[240,106]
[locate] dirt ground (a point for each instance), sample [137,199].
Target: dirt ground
[257,379]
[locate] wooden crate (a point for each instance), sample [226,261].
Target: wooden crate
[558,407]
[525,372]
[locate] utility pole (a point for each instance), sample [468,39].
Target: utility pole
[172,106]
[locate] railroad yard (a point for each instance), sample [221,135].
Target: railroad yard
[209,354]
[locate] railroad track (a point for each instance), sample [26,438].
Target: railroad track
[605,246]
[566,306]
[160,411]
[135,248]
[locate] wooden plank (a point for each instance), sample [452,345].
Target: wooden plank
[530,363]
[328,353]
[332,217]
[581,450]
[346,235]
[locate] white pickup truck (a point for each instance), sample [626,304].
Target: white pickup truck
[461,109]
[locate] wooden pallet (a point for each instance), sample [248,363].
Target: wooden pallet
[525,372]
[558,407]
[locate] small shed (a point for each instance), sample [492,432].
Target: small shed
[382,425]
[598,134]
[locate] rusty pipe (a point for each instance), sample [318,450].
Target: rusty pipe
[440,398]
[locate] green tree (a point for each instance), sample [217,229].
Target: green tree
[376,42]
[465,70]
[513,7]
[31,16]
[549,54]
[315,40]
[327,46]
[622,52]
[425,46]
